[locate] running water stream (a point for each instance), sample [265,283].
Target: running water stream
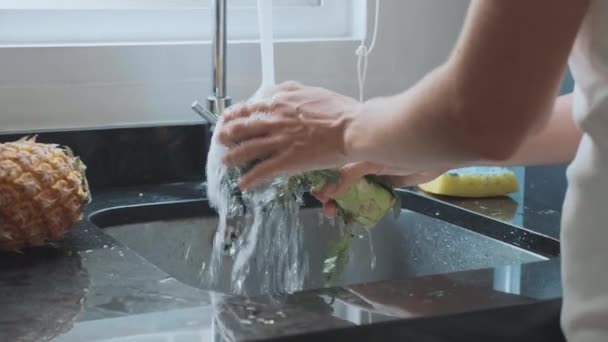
[260,231]
[267,255]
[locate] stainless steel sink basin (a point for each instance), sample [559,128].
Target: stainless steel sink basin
[177,238]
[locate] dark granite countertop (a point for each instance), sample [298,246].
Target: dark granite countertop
[88,287]
[536,206]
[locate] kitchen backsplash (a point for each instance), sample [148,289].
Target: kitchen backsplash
[135,156]
[134,85]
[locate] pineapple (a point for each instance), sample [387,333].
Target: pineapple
[43,191]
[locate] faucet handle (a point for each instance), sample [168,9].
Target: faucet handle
[217,105]
[205,113]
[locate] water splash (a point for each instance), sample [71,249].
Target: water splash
[372,252]
[267,255]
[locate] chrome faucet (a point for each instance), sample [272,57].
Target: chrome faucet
[218,101]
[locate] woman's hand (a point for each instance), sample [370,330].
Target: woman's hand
[352,173]
[304,131]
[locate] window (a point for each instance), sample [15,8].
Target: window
[58,22]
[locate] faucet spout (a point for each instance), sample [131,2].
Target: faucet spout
[218,100]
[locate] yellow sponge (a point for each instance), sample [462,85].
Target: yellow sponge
[474,182]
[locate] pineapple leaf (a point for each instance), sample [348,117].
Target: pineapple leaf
[81,168]
[31,138]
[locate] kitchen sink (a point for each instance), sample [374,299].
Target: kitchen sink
[177,238]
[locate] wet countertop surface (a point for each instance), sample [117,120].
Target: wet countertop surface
[88,287]
[536,206]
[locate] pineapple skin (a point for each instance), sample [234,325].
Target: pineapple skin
[43,191]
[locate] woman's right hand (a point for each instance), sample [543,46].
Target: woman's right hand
[352,173]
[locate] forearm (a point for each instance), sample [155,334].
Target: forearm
[556,143]
[496,91]
[413,130]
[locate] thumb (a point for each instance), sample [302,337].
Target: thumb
[350,174]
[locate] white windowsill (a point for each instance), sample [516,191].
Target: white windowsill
[177,43]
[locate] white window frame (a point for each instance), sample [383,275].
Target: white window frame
[106,76]
[134,22]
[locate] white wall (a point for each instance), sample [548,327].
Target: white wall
[48,88]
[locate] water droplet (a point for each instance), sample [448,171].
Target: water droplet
[265,321]
[371,251]
[187,254]
[437,294]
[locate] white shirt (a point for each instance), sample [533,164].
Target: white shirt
[584,234]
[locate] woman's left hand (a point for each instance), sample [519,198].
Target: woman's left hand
[352,173]
[304,131]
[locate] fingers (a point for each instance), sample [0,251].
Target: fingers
[319,195]
[271,104]
[241,130]
[252,150]
[349,175]
[243,110]
[282,87]
[412,179]
[289,86]
[330,209]
[271,167]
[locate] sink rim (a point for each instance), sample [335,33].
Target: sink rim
[492,228]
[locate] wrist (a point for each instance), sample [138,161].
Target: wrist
[356,134]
